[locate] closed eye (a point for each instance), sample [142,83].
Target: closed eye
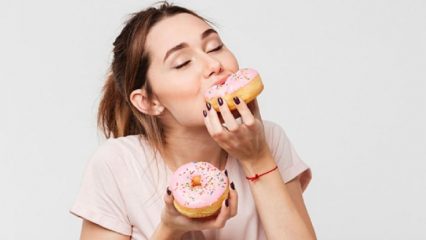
[187,62]
[216,49]
[182,65]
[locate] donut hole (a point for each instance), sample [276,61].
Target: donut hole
[196,181]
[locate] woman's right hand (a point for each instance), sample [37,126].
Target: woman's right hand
[176,222]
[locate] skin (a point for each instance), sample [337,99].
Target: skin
[179,90]
[179,82]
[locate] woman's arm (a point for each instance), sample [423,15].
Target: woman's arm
[91,231]
[163,232]
[280,206]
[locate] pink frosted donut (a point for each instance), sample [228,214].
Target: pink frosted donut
[198,188]
[246,84]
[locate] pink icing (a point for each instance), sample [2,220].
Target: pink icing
[234,82]
[213,184]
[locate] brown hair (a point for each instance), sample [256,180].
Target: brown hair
[117,116]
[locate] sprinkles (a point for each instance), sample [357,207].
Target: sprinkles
[210,184]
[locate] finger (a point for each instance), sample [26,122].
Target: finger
[256,110]
[207,122]
[233,200]
[168,200]
[223,215]
[216,126]
[227,116]
[246,115]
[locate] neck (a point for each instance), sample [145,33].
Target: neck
[185,145]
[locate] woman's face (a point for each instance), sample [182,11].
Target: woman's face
[187,57]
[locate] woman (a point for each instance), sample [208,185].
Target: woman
[153,105]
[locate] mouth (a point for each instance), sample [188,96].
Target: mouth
[221,81]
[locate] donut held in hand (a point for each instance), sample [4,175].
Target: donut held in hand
[199,188]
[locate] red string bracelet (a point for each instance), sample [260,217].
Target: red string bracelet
[256,176]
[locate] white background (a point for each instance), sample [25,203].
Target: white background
[346,80]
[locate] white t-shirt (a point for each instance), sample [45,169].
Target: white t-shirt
[125,181]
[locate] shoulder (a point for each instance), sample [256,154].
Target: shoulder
[278,142]
[270,126]
[114,151]
[274,133]
[285,154]
[123,144]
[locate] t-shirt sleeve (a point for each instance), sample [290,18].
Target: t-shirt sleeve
[99,199]
[288,161]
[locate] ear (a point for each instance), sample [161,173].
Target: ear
[139,99]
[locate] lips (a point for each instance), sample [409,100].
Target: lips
[218,87]
[221,81]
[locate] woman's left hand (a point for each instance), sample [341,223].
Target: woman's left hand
[245,141]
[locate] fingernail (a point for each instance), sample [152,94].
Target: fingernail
[236,100]
[232,186]
[226,172]
[220,101]
[226,203]
[168,191]
[205,113]
[208,105]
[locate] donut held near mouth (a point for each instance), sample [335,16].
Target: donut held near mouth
[245,84]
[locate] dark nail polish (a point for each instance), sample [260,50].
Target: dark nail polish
[226,203]
[168,191]
[232,186]
[209,106]
[236,100]
[220,101]
[226,172]
[205,113]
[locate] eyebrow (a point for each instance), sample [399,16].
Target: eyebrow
[184,45]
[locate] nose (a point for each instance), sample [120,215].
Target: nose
[212,66]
